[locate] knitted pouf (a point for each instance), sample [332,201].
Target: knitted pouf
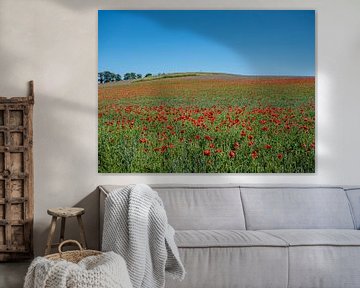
[107,270]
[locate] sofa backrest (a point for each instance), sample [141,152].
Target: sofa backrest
[203,207]
[240,207]
[296,208]
[199,207]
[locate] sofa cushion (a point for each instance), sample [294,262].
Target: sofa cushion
[315,237]
[322,258]
[204,208]
[324,266]
[226,238]
[354,198]
[191,207]
[296,208]
[223,267]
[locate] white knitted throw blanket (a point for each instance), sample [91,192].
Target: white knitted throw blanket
[136,227]
[103,271]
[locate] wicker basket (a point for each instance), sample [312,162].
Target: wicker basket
[72,256]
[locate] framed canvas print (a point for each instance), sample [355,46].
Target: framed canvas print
[199,91]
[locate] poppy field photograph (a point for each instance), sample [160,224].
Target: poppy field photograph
[206,91]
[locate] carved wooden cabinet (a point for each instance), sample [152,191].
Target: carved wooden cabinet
[16,177]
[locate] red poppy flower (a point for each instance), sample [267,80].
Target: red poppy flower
[236,145]
[143,140]
[280,156]
[254,155]
[232,154]
[197,137]
[208,138]
[219,150]
[207,152]
[267,146]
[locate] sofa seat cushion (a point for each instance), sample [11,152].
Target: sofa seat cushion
[317,237]
[233,267]
[225,238]
[322,258]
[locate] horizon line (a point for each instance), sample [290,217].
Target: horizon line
[207,72]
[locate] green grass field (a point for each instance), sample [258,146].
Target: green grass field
[208,123]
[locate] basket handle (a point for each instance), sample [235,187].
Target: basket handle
[69,241]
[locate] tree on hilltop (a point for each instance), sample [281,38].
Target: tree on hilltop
[107,76]
[101,77]
[129,76]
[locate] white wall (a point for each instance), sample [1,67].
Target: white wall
[55,44]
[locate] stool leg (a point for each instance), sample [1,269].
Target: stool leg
[62,230]
[51,235]
[82,232]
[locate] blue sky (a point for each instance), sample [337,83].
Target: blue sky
[249,42]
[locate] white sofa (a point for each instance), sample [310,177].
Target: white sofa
[263,236]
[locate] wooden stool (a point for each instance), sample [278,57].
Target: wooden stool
[64,213]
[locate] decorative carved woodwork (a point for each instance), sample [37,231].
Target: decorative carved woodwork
[16,177]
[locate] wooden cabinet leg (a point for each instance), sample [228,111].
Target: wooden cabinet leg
[62,230]
[82,232]
[51,235]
